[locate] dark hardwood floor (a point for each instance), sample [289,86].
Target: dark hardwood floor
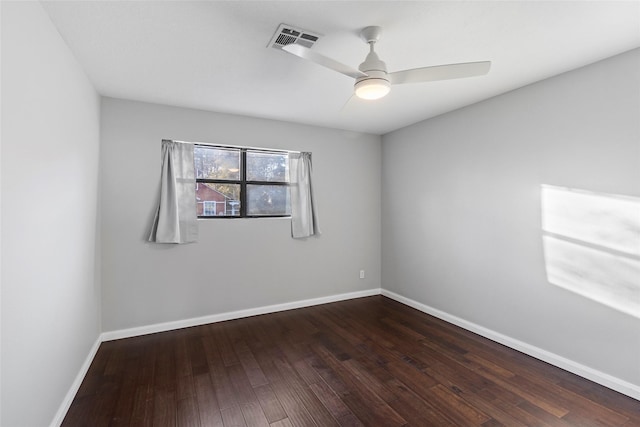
[369,361]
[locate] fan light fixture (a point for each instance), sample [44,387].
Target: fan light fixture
[372,88]
[372,79]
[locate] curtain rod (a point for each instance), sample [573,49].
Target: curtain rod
[210,144]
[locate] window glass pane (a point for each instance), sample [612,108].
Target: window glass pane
[267,166]
[268,200]
[216,163]
[217,199]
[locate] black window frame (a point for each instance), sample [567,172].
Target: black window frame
[243,182]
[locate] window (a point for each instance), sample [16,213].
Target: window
[212,207]
[241,182]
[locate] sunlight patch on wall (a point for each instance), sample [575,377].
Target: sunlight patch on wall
[592,245]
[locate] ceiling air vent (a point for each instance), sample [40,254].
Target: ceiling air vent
[288,34]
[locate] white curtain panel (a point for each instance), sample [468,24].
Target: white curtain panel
[304,218]
[176,220]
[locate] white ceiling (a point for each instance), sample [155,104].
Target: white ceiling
[212,55]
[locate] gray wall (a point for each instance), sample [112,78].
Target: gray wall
[50,139]
[467,240]
[238,263]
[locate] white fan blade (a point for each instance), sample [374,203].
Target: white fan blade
[440,72]
[306,53]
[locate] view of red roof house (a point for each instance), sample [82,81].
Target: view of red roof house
[213,203]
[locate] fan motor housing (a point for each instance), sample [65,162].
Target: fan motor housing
[373,74]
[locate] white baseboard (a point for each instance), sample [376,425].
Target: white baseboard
[168,326]
[196,321]
[614,383]
[606,380]
[75,386]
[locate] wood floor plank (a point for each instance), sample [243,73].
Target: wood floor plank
[125,405]
[185,387]
[253,415]
[515,406]
[165,408]
[295,410]
[222,386]
[371,377]
[165,368]
[81,411]
[419,410]
[504,413]
[349,420]
[418,381]
[197,355]
[479,364]
[593,392]
[232,417]
[363,362]
[242,387]
[250,365]
[143,401]
[306,372]
[187,412]
[282,423]
[376,410]
[578,406]
[330,400]
[222,338]
[464,412]
[270,404]
[306,397]
[540,414]
[208,409]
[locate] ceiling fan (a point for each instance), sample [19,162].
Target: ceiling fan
[372,79]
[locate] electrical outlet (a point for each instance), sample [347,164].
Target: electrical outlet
[362,274]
